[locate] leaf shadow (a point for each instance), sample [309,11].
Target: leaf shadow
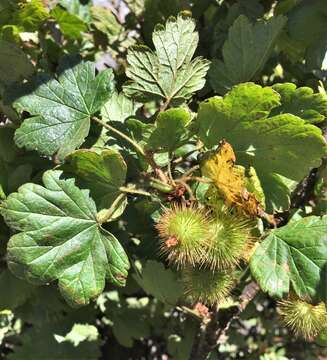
[12,92]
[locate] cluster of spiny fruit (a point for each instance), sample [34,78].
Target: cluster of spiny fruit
[208,245]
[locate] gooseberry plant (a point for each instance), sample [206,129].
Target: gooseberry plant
[179,190]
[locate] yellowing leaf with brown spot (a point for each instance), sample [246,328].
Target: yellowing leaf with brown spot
[229,179]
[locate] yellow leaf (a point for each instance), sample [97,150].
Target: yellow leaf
[229,179]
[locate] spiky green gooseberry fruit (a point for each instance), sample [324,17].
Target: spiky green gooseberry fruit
[207,286]
[303,319]
[190,236]
[230,240]
[183,230]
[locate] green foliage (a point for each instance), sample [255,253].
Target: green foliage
[301,102]
[119,108]
[167,290]
[61,239]
[23,67]
[262,141]
[169,73]
[62,109]
[102,173]
[248,45]
[70,25]
[143,215]
[293,257]
[171,130]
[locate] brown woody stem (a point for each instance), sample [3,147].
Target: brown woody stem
[212,332]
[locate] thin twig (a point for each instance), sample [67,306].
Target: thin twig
[106,215]
[169,170]
[122,135]
[187,187]
[191,170]
[131,190]
[155,167]
[213,332]
[196,178]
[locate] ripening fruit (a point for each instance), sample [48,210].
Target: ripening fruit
[207,286]
[303,319]
[183,231]
[190,236]
[230,240]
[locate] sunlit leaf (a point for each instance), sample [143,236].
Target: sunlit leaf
[169,73]
[294,257]
[60,239]
[62,109]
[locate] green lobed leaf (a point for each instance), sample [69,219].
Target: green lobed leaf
[70,25]
[167,290]
[60,239]
[119,107]
[104,20]
[103,174]
[171,130]
[30,15]
[278,147]
[245,52]
[132,322]
[309,41]
[294,257]
[315,13]
[62,109]
[169,73]
[301,102]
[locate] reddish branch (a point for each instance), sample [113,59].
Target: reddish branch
[213,328]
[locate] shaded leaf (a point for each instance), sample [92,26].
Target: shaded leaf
[8,149]
[157,12]
[104,20]
[62,108]
[245,52]
[41,340]
[132,323]
[169,74]
[168,289]
[14,292]
[70,25]
[14,63]
[171,130]
[60,239]
[293,257]
[103,174]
